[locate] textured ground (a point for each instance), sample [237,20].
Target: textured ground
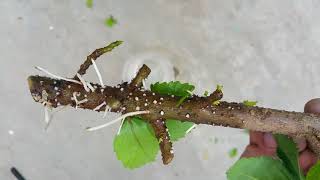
[259,50]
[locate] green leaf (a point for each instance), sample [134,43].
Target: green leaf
[110,21]
[258,168]
[233,152]
[206,93]
[89,3]
[219,87]
[175,88]
[287,151]
[250,103]
[136,144]
[178,129]
[216,103]
[172,88]
[314,172]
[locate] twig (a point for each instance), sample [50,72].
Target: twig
[94,55]
[163,137]
[158,125]
[142,74]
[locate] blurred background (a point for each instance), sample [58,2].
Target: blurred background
[258,50]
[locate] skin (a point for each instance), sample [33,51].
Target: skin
[263,144]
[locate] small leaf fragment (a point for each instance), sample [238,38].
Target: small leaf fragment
[89,3]
[178,129]
[136,144]
[314,172]
[258,168]
[233,152]
[250,103]
[110,21]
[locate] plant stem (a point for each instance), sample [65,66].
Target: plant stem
[195,109]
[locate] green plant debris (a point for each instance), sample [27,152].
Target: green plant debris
[110,21]
[233,152]
[250,103]
[136,144]
[89,3]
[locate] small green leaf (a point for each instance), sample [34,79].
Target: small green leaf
[216,103]
[136,143]
[314,172]
[89,3]
[206,93]
[110,21]
[178,129]
[175,88]
[233,152]
[219,87]
[250,103]
[258,168]
[287,151]
[172,88]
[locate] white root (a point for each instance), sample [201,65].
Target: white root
[99,106]
[83,82]
[56,76]
[98,72]
[116,120]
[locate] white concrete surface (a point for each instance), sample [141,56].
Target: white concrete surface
[259,50]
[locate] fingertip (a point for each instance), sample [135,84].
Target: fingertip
[269,141]
[256,138]
[301,144]
[306,160]
[312,106]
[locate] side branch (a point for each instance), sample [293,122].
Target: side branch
[163,137]
[94,55]
[158,125]
[142,74]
